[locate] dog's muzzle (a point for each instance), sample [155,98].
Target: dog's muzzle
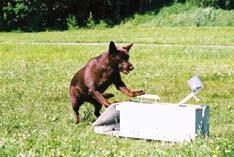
[126,67]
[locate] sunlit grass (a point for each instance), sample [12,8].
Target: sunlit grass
[36,117]
[137,34]
[181,14]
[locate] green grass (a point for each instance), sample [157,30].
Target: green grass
[183,15]
[169,25]
[36,117]
[35,113]
[137,34]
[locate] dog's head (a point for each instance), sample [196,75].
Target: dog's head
[120,56]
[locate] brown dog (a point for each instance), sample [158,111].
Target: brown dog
[90,82]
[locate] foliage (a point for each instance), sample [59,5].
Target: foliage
[90,21]
[36,15]
[21,14]
[72,23]
[206,3]
[227,4]
[184,15]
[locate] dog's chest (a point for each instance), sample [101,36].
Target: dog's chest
[105,80]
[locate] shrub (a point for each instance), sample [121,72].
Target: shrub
[72,22]
[90,21]
[225,4]
[207,3]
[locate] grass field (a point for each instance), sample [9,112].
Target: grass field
[35,114]
[137,34]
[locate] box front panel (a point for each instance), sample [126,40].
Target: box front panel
[156,121]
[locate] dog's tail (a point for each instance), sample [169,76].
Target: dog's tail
[108,95]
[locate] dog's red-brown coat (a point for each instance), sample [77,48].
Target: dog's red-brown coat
[90,82]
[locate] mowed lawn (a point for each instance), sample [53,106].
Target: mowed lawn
[36,118]
[125,33]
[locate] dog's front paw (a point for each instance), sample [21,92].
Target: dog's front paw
[139,92]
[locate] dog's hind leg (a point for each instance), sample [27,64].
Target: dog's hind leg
[76,106]
[76,102]
[97,107]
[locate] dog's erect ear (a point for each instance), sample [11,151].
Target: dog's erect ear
[112,48]
[128,47]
